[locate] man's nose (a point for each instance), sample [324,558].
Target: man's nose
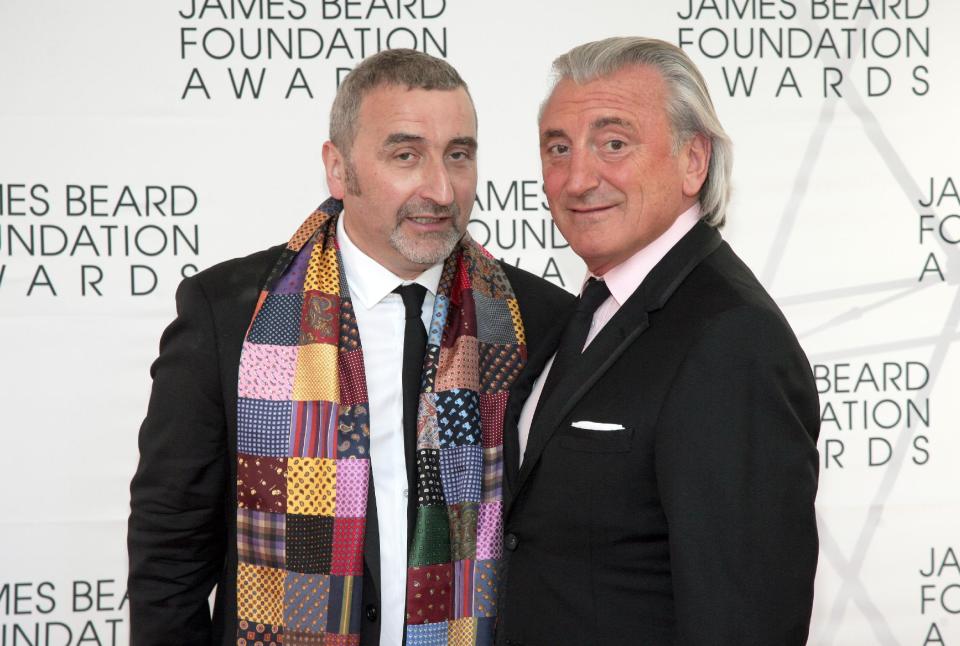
[436,183]
[583,176]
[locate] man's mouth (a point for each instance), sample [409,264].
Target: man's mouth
[429,224]
[426,219]
[428,216]
[589,210]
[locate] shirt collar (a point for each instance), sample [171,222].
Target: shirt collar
[624,279]
[368,279]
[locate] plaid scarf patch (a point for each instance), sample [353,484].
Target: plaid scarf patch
[303,444]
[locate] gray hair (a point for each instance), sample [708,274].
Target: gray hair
[402,67]
[688,104]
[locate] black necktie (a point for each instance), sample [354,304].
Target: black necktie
[574,336]
[414,347]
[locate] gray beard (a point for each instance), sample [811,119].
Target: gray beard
[429,248]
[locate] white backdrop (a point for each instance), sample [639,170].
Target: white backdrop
[127,160]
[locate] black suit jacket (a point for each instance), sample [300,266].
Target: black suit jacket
[182,528]
[695,523]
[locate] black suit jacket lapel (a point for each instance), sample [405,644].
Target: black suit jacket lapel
[519,392]
[627,324]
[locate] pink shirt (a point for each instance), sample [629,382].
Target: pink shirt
[622,281]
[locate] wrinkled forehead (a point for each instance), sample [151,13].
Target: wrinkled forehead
[635,94]
[401,100]
[432,117]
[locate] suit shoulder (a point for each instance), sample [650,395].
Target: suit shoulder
[237,276]
[724,282]
[722,300]
[736,318]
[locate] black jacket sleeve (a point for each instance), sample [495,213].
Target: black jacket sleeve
[176,537]
[737,464]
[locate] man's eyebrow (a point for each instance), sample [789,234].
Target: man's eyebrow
[401,138]
[468,142]
[551,133]
[603,122]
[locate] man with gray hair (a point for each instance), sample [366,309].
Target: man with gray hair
[667,454]
[324,441]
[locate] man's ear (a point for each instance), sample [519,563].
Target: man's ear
[695,161]
[336,168]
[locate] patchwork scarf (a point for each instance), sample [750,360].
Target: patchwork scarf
[303,451]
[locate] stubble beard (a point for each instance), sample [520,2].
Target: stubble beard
[430,247]
[427,248]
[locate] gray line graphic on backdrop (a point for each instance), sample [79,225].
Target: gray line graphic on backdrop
[844,292]
[849,569]
[834,553]
[852,588]
[877,348]
[856,312]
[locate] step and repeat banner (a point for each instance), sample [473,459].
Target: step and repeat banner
[143,142]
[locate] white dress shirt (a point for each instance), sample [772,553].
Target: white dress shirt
[380,320]
[622,281]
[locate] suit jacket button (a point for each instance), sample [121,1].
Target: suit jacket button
[371,612]
[510,541]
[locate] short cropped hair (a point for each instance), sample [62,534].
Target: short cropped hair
[402,67]
[689,107]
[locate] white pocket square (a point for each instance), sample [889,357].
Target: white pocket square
[597,426]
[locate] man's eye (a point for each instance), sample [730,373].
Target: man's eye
[615,145]
[460,155]
[405,156]
[559,149]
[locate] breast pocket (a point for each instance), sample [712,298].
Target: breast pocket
[591,441]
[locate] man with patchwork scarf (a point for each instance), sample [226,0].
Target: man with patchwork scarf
[324,441]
